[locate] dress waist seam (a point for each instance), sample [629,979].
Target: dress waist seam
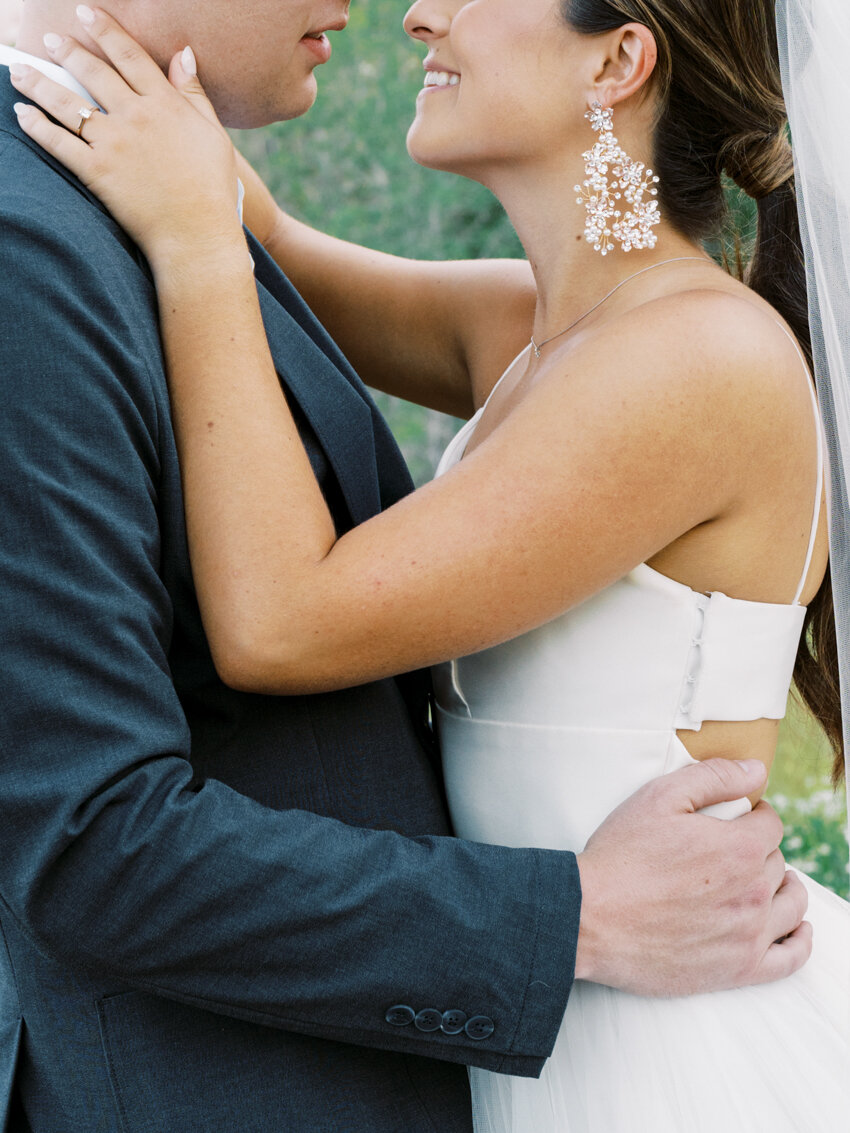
[661,730]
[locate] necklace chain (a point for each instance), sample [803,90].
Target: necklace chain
[538,346]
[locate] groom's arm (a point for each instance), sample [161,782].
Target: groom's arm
[111,856]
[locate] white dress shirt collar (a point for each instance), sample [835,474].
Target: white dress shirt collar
[9,55]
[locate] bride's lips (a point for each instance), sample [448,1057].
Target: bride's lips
[438,78]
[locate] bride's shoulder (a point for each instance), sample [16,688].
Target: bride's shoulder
[715,363]
[720,345]
[725,327]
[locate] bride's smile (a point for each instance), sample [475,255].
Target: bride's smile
[500,80]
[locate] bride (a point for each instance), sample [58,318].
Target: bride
[626,544]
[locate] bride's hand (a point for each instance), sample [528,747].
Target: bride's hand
[154,153]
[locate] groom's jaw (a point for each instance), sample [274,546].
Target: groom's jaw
[256,58]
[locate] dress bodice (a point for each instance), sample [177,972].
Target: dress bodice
[544,735]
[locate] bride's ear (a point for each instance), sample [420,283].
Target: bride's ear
[626,65]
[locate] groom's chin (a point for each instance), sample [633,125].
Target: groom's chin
[240,110]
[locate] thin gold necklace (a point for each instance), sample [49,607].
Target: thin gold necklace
[678,259]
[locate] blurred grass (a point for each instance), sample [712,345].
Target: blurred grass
[803,755]
[815,816]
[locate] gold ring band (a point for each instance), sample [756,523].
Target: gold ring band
[85,113]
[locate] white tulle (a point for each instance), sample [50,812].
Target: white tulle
[814,48]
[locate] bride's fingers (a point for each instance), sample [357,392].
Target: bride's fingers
[59,102]
[131,66]
[99,79]
[71,151]
[183,76]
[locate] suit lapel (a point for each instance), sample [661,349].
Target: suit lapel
[393,476]
[331,397]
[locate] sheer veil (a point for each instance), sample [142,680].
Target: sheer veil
[814,50]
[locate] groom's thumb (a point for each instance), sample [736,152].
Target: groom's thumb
[183,74]
[719,781]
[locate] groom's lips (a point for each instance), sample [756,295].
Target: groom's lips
[319,45]
[318,42]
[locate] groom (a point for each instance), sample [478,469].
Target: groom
[223,911]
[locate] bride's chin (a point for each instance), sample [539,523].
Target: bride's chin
[431,155]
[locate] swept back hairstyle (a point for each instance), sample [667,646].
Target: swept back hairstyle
[721,110]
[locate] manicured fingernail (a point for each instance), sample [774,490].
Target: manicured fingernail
[753,767]
[188,61]
[85,15]
[22,109]
[18,71]
[52,41]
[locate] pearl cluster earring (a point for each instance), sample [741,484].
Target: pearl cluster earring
[632,183]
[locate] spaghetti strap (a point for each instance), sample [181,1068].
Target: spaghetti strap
[502,378]
[821,466]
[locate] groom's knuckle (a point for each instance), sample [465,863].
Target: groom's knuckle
[716,768]
[753,851]
[760,894]
[745,855]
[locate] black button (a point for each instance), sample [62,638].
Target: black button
[453,1022]
[480,1027]
[429,1020]
[400,1016]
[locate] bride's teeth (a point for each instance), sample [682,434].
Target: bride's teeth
[441,79]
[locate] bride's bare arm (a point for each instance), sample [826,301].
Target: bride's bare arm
[601,465]
[436,333]
[612,452]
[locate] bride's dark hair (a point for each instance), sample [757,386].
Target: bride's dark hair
[721,110]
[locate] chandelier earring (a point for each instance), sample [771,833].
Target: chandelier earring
[622,209]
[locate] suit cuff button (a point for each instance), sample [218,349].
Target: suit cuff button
[479,1028]
[400,1016]
[429,1020]
[453,1022]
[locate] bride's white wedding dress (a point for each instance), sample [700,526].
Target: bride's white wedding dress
[542,738]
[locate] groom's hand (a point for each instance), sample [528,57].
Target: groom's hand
[675,902]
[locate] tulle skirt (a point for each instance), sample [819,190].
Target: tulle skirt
[768,1059]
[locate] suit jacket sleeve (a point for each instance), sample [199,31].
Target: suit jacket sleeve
[111,856]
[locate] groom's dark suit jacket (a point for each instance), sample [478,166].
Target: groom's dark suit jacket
[198,931]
